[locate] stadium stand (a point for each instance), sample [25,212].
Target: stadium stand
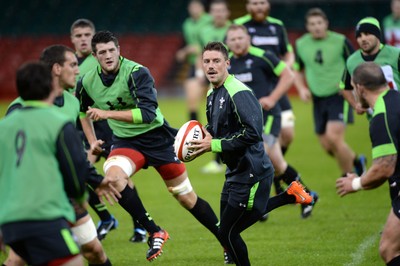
[157,52]
[149,31]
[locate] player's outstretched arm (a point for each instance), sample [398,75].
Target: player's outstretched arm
[97,114]
[300,84]
[88,129]
[108,191]
[286,79]
[73,163]
[382,168]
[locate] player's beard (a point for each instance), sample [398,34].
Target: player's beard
[371,48]
[260,16]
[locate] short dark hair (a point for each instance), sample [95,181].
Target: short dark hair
[34,81]
[55,54]
[196,1]
[82,23]
[369,75]
[212,2]
[315,12]
[236,27]
[104,36]
[247,1]
[217,46]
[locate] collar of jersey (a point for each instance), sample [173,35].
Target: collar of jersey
[39,104]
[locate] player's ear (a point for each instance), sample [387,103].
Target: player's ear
[358,89]
[248,6]
[56,69]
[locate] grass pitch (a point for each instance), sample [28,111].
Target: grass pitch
[341,231]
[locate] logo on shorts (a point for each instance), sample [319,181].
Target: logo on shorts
[242,205]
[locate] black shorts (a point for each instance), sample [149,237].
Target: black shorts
[284,103]
[80,211]
[156,145]
[247,196]
[396,206]
[394,187]
[103,132]
[330,108]
[39,242]
[272,125]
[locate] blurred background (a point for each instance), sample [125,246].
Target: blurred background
[149,31]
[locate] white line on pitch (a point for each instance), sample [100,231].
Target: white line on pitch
[357,256]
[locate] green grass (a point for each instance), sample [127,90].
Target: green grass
[341,231]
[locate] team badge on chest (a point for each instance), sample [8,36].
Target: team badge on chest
[221,102]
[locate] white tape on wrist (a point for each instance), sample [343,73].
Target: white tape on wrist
[356,184]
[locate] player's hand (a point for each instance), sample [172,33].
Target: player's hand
[95,147]
[79,208]
[180,55]
[344,184]
[96,114]
[108,191]
[304,94]
[192,49]
[267,103]
[201,146]
[359,109]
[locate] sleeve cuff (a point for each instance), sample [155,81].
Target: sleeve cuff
[137,116]
[216,145]
[341,85]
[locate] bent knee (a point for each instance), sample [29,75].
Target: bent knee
[94,252]
[119,165]
[188,200]
[386,250]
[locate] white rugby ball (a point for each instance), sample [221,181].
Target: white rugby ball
[191,130]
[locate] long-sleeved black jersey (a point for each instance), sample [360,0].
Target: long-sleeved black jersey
[235,121]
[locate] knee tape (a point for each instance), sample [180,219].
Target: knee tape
[287,118]
[121,162]
[183,188]
[84,233]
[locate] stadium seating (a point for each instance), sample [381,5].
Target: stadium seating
[157,52]
[149,31]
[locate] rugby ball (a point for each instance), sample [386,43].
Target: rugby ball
[191,130]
